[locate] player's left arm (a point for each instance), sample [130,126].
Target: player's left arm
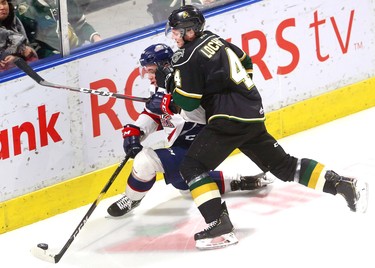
[245,59]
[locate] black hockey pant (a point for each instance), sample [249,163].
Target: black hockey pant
[219,138]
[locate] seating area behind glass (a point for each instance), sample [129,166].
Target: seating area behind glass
[91,21]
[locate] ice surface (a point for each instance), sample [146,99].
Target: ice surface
[285,225]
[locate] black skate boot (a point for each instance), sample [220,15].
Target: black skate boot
[353,190]
[218,234]
[122,206]
[250,182]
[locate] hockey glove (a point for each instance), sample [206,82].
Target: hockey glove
[161,103]
[169,83]
[132,144]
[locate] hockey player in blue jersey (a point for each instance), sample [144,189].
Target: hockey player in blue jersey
[180,133]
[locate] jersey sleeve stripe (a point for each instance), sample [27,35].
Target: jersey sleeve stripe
[188,95]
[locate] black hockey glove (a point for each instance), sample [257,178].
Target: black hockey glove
[161,103]
[132,144]
[169,83]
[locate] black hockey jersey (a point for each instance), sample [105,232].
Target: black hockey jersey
[212,72]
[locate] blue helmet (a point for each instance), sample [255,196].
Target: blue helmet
[159,54]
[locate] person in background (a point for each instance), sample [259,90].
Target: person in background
[40,19]
[160,9]
[155,61]
[13,40]
[210,72]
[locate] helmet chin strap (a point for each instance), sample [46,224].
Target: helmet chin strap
[161,72]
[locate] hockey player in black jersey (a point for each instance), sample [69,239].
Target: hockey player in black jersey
[212,73]
[179,132]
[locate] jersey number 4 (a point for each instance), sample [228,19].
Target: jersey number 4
[238,73]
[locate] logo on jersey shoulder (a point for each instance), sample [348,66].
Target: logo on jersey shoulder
[166,121]
[178,55]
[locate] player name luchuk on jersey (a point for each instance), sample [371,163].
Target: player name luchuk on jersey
[211,47]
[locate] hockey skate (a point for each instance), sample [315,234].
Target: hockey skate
[353,190]
[122,206]
[218,234]
[251,182]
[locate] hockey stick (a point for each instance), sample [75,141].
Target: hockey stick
[41,250]
[20,63]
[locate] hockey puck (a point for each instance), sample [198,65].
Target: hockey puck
[43,246]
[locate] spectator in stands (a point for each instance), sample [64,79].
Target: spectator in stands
[13,40]
[40,18]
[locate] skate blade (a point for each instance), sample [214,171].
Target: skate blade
[362,202]
[217,242]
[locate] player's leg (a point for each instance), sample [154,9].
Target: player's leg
[314,175]
[226,181]
[167,161]
[212,146]
[145,166]
[268,153]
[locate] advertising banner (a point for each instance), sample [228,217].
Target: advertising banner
[300,49]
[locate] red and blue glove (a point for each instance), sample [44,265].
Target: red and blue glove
[132,144]
[161,103]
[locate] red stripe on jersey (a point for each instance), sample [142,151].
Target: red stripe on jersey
[154,117]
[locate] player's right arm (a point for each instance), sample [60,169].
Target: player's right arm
[133,134]
[148,123]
